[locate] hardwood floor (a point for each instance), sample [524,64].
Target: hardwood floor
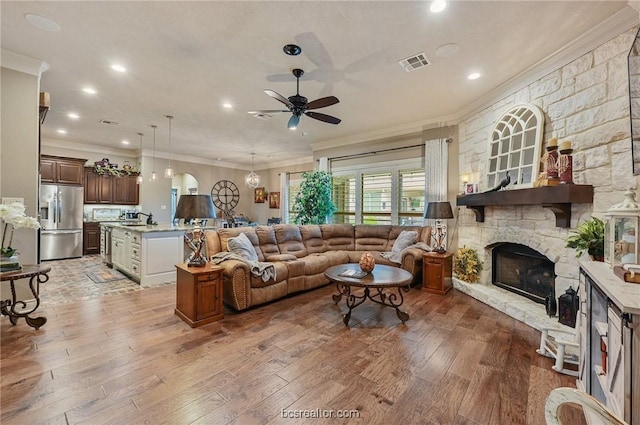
[127,359]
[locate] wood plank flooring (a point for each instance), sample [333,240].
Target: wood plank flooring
[127,359]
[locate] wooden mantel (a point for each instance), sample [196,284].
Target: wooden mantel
[556,198]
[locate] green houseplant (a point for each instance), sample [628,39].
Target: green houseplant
[589,237]
[313,204]
[466,264]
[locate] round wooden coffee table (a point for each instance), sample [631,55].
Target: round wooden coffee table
[375,283]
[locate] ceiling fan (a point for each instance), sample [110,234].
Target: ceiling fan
[299,105]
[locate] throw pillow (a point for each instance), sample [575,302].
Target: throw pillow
[242,246]
[405,239]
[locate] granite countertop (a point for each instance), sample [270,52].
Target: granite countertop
[160,227]
[625,295]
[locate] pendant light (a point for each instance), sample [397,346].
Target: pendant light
[153,173]
[139,178]
[252,179]
[168,172]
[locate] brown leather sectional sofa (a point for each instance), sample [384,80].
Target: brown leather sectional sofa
[301,254]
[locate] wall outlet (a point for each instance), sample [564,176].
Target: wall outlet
[163,207]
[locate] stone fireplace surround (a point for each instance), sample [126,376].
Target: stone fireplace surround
[586,102]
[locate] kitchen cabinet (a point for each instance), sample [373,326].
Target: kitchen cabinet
[147,254]
[109,189]
[610,340]
[90,238]
[61,170]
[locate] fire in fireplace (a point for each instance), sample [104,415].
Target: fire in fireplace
[523,270]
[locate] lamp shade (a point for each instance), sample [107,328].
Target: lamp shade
[195,206]
[439,210]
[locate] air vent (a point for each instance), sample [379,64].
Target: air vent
[414,62]
[262,116]
[109,122]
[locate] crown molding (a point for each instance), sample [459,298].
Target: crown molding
[21,63]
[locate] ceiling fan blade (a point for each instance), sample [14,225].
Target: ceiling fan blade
[268,111]
[323,117]
[293,122]
[322,102]
[279,97]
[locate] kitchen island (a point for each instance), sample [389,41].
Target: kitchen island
[148,253]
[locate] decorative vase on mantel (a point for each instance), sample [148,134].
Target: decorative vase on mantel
[10,263]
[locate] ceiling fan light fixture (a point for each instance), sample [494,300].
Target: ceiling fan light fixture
[252,180]
[293,122]
[292,49]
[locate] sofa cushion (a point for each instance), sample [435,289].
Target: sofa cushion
[267,240]
[405,239]
[290,240]
[280,257]
[312,238]
[315,264]
[232,232]
[338,237]
[371,237]
[242,246]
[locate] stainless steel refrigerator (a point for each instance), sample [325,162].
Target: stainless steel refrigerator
[61,210]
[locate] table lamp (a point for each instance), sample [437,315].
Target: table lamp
[439,211]
[191,207]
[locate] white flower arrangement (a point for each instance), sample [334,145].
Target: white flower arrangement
[14,217]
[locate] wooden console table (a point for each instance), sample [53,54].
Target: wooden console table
[557,199]
[36,274]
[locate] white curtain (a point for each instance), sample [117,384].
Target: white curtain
[284,197]
[436,160]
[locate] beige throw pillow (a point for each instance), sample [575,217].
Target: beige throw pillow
[405,239]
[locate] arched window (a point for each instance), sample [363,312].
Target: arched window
[514,147]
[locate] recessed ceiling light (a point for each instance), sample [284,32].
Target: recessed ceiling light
[118,68]
[89,90]
[473,76]
[304,133]
[61,131]
[227,105]
[42,22]
[125,142]
[73,115]
[219,159]
[437,6]
[447,50]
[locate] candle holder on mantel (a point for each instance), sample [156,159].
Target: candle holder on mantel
[565,163]
[552,165]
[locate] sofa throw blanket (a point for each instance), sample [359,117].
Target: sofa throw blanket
[265,271]
[396,257]
[241,249]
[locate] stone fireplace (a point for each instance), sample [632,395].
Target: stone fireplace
[523,271]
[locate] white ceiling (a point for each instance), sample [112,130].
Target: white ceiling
[186,58]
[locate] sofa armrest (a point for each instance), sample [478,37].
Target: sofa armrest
[236,277]
[412,257]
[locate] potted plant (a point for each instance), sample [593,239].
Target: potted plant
[466,264]
[589,237]
[313,204]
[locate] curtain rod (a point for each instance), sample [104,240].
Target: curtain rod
[360,155]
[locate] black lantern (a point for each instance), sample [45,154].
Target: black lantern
[568,304]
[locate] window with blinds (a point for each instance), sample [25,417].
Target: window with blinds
[377,200]
[411,187]
[344,198]
[293,189]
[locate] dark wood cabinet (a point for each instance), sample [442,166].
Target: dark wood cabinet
[125,190]
[108,189]
[90,238]
[61,170]
[436,272]
[199,294]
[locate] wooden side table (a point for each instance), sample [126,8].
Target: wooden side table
[199,294]
[436,272]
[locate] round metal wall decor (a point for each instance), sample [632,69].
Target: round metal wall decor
[225,195]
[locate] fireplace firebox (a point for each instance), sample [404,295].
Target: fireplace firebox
[523,270]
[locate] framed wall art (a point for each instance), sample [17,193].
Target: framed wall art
[259,195]
[274,199]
